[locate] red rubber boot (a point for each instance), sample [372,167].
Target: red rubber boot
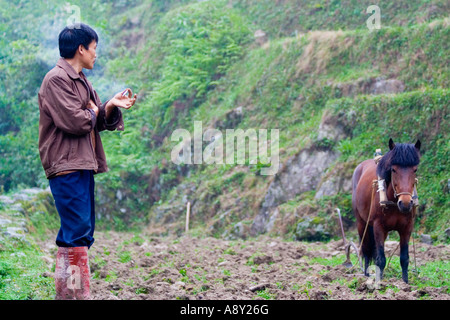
[72,274]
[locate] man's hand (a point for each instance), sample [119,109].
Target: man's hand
[92,106]
[121,101]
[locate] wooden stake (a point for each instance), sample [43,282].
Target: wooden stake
[188,210]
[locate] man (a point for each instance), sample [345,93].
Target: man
[71,151]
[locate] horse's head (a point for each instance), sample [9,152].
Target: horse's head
[399,167]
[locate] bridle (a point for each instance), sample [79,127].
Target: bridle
[396,194]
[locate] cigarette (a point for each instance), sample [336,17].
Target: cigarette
[125,93]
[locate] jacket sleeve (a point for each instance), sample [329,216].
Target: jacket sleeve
[66,108]
[115,120]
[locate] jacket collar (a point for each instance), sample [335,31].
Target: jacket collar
[62,63]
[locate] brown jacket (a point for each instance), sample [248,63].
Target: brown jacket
[69,136]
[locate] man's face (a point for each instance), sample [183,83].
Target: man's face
[89,56]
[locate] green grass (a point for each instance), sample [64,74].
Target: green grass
[430,274]
[433,274]
[334,261]
[265,294]
[125,256]
[21,272]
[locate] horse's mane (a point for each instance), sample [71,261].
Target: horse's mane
[403,154]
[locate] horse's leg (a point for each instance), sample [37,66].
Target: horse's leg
[380,236]
[368,249]
[366,253]
[404,254]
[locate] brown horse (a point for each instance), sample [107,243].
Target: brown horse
[398,168]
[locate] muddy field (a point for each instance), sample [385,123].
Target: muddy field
[127,267]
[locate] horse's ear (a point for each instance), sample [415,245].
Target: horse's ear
[391,144]
[418,144]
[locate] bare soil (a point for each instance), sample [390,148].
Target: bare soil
[128,267]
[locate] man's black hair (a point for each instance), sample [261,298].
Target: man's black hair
[71,37]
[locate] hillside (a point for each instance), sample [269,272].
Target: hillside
[333,89]
[302,84]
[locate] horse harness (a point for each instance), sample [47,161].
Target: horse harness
[382,189]
[389,203]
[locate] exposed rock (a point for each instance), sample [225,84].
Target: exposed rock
[426,238]
[6,200]
[4,222]
[327,188]
[381,86]
[447,232]
[15,232]
[14,224]
[271,221]
[178,285]
[236,232]
[300,173]
[22,195]
[232,119]
[338,180]
[175,207]
[331,128]
[311,229]
[370,86]
[258,287]
[260,37]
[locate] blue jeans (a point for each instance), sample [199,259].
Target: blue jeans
[74,200]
